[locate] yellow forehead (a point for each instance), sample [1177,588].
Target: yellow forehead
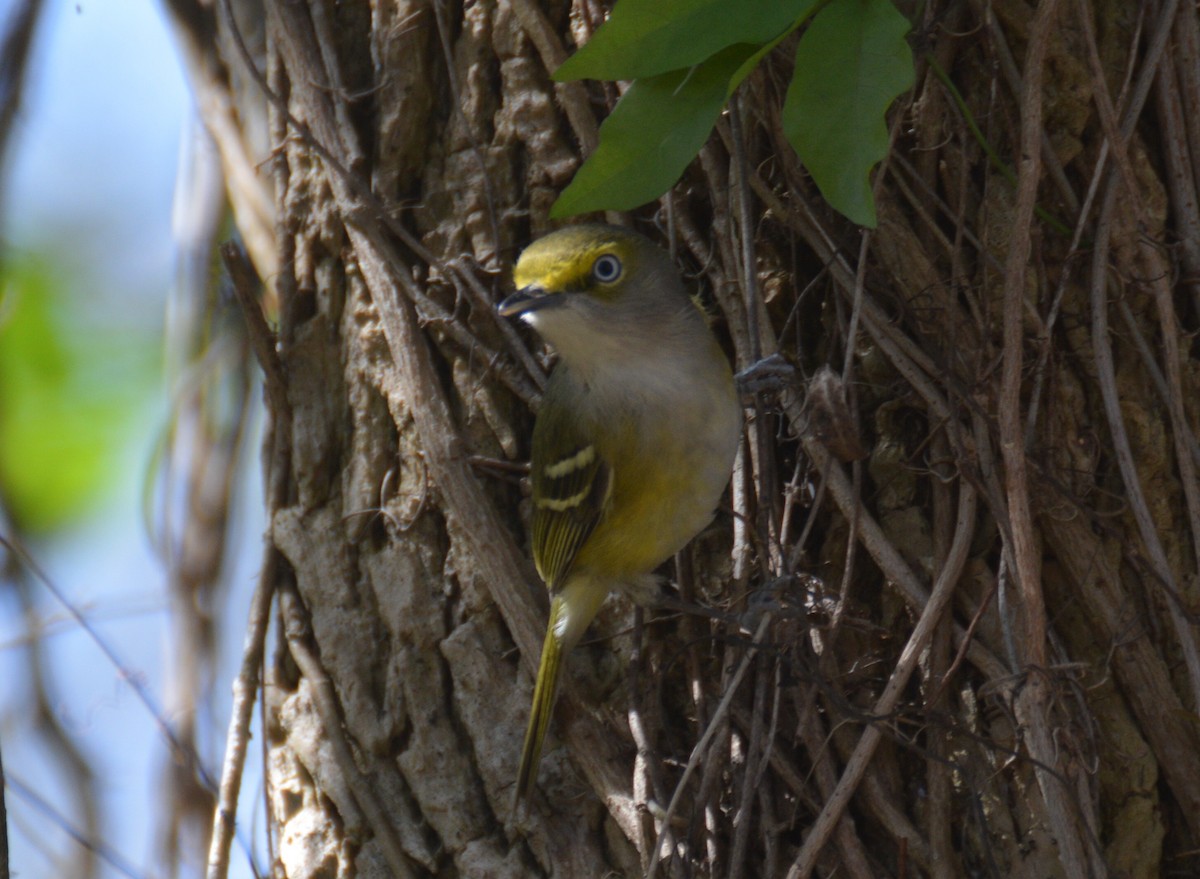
[563,260]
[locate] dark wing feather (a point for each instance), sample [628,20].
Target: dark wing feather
[570,493]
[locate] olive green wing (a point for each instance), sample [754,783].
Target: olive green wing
[572,485]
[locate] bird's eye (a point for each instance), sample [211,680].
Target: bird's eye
[606,269]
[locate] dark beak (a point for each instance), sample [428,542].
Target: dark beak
[525,300]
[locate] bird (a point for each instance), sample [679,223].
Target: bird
[635,438]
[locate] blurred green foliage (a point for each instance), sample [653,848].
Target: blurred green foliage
[72,385]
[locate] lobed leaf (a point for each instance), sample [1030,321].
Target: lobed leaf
[851,64]
[652,134]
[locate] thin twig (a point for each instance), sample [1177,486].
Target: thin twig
[816,740]
[939,817]
[1008,67]
[743,816]
[102,850]
[761,447]
[1106,376]
[246,287]
[237,739]
[1181,431]
[141,691]
[16,46]
[484,301]
[943,590]
[700,750]
[647,763]
[1023,549]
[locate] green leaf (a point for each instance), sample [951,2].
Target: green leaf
[69,395]
[652,134]
[644,38]
[851,63]
[750,63]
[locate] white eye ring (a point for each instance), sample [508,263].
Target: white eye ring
[606,268]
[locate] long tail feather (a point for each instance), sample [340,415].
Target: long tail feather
[544,692]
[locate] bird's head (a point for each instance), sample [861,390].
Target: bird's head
[588,290]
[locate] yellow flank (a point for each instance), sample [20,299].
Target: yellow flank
[635,438]
[651,527]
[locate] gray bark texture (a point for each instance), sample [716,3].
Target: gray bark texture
[951,601]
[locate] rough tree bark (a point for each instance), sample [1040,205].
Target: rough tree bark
[972,653]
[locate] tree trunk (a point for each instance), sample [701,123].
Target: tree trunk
[973,653]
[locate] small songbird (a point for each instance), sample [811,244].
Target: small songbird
[636,435]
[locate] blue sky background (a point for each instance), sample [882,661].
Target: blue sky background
[88,188]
